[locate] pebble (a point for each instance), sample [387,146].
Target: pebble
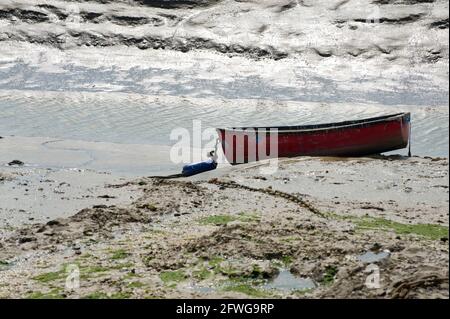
[376,247]
[88,232]
[23,240]
[16,163]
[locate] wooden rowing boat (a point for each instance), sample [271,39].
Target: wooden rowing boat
[350,138]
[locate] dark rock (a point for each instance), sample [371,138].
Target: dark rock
[53,223]
[376,247]
[23,240]
[16,163]
[372,207]
[396,248]
[41,229]
[99,206]
[88,232]
[441,24]
[49,233]
[287,6]
[106,196]
[323,53]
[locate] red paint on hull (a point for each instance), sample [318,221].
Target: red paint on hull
[351,138]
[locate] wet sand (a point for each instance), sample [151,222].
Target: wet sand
[313,229]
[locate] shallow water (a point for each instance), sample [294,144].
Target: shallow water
[137,119]
[286,281]
[134,97]
[414,89]
[371,257]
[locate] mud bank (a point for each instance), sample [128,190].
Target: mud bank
[268,29]
[238,233]
[387,52]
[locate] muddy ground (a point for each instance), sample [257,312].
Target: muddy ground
[241,233]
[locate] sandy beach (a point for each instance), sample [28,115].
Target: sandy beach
[309,230]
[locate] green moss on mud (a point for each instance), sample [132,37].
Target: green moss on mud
[329,275]
[175,276]
[427,231]
[119,254]
[53,294]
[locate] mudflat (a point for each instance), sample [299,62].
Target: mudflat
[316,227]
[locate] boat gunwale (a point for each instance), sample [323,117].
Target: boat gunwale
[321,127]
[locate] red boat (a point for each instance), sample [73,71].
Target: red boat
[350,138]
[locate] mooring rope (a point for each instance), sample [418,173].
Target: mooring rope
[290,197]
[409,141]
[167,176]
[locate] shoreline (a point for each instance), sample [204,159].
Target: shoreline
[147,121]
[238,233]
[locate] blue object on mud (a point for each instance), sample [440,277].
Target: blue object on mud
[197,168]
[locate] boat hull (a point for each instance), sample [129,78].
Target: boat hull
[353,138]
